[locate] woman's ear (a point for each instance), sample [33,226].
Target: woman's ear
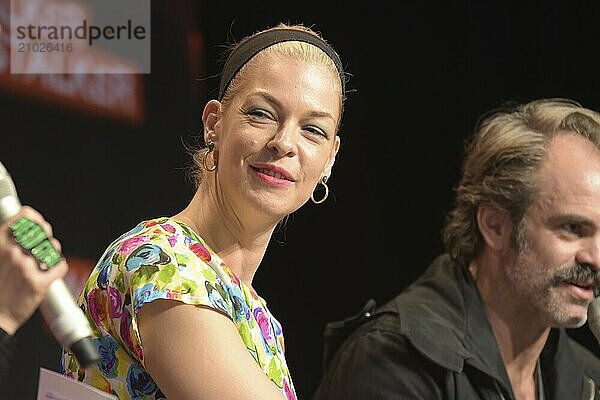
[495,226]
[210,116]
[332,156]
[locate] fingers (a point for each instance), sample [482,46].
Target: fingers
[18,260]
[22,259]
[57,272]
[35,216]
[30,213]
[34,276]
[56,244]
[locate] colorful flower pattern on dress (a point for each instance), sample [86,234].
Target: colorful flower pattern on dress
[164,259]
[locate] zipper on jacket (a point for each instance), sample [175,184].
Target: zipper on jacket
[592,388]
[500,395]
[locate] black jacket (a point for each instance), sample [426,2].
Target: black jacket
[434,341]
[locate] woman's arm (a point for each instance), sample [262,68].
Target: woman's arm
[193,352]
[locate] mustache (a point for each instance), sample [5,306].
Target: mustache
[579,273]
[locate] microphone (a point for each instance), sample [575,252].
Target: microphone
[64,318]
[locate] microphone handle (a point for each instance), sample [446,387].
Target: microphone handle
[68,323]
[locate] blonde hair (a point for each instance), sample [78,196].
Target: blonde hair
[501,162]
[299,50]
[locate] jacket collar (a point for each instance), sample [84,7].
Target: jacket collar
[562,370]
[443,317]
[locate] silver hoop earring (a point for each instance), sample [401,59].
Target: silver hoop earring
[322,181]
[211,148]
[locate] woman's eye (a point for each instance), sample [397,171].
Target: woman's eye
[259,113]
[316,131]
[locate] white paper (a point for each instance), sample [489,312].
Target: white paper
[54,386]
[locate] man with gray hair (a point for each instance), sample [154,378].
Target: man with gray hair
[487,319]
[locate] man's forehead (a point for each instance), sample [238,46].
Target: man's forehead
[572,163]
[568,182]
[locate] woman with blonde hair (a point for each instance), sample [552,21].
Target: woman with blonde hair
[172,300]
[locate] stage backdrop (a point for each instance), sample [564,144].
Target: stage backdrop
[420,74]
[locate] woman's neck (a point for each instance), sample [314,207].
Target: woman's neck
[239,243]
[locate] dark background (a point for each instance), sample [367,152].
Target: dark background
[422,72]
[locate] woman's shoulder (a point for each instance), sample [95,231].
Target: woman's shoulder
[164,258]
[155,227]
[162,231]
[158,241]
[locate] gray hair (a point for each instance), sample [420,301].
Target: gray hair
[501,162]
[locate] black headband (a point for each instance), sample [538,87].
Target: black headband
[251,46]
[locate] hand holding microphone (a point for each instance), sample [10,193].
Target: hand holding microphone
[23,284]
[25,237]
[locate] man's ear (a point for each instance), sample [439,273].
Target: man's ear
[495,226]
[210,116]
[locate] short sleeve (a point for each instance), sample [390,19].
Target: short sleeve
[159,262]
[155,270]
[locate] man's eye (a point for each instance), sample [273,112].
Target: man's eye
[572,228]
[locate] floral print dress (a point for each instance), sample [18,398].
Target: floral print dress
[164,259]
